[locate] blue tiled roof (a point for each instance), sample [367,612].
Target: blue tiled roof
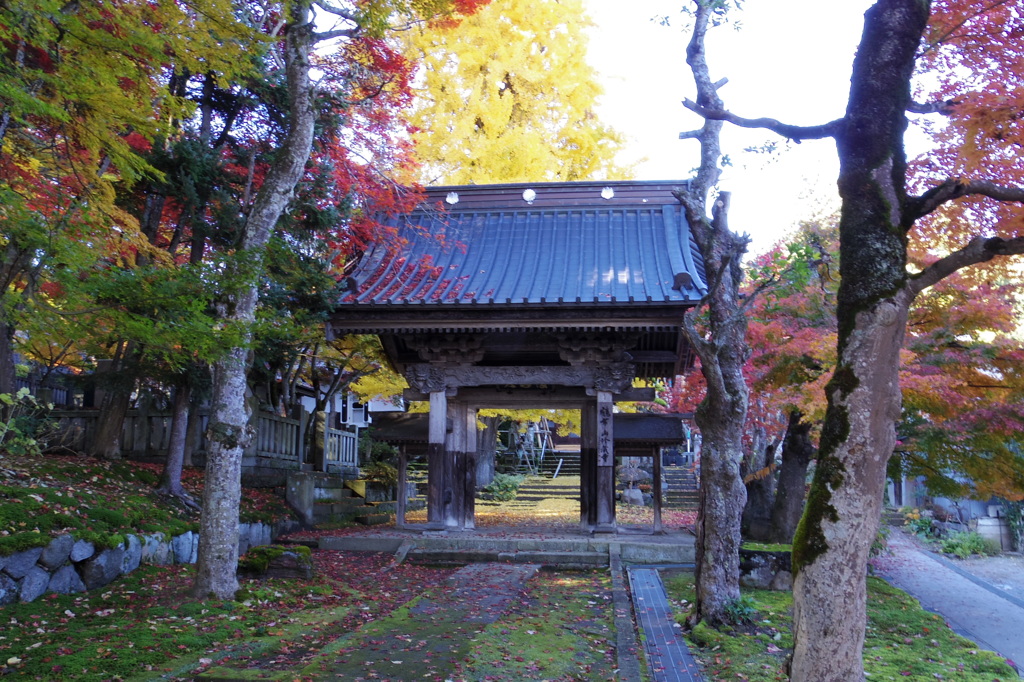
[607,252]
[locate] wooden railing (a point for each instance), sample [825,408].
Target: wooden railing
[341,448]
[277,443]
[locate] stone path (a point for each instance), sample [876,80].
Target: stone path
[439,629]
[974,608]
[667,654]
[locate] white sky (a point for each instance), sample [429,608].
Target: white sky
[789,60]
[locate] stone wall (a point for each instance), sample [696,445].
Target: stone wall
[68,565]
[765,570]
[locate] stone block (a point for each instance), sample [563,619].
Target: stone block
[782,582]
[255,534]
[243,538]
[34,584]
[132,553]
[763,569]
[181,548]
[163,555]
[57,552]
[66,581]
[301,494]
[151,548]
[193,555]
[8,590]
[82,550]
[633,496]
[102,568]
[18,565]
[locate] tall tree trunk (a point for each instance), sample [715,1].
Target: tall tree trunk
[113,407]
[229,432]
[797,453]
[7,372]
[760,483]
[487,451]
[843,510]
[722,349]
[170,478]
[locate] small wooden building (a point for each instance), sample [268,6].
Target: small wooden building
[548,295]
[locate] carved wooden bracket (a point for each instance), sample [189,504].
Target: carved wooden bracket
[595,348]
[448,348]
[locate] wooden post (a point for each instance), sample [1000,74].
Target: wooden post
[319,454]
[588,465]
[436,462]
[455,456]
[402,497]
[469,477]
[657,489]
[605,464]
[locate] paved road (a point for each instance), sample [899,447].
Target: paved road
[974,608]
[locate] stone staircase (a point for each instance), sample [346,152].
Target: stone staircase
[334,501]
[570,463]
[682,492]
[537,488]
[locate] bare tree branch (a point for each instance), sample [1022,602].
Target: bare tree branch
[792,132]
[945,108]
[341,12]
[338,33]
[920,206]
[978,250]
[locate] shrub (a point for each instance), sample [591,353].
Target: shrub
[504,487]
[742,610]
[28,423]
[380,472]
[917,523]
[965,543]
[881,543]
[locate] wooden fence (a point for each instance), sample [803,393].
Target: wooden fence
[341,449]
[276,448]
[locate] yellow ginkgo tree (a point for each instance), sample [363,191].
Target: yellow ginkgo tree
[507,95]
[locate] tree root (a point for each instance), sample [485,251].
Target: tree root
[179,495]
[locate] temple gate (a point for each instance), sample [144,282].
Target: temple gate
[549,295]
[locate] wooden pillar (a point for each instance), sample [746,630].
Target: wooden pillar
[657,489]
[456,456]
[469,475]
[402,498]
[605,464]
[436,460]
[588,466]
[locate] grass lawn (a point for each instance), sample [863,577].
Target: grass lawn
[903,641]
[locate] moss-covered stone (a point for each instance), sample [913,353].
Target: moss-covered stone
[277,561]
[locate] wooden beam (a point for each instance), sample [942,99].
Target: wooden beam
[551,397]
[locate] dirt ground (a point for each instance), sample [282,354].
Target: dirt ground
[1005,571]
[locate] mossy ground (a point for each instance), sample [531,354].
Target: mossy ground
[146,626]
[99,501]
[904,642]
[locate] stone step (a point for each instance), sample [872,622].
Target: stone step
[339,505]
[326,495]
[549,559]
[373,519]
